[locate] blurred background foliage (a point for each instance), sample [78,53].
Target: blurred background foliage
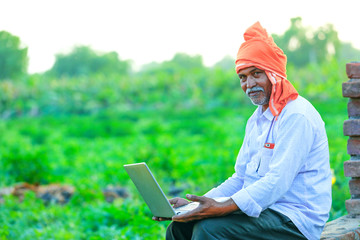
[83,61]
[13,56]
[85,81]
[81,120]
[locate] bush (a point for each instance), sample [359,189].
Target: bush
[23,161]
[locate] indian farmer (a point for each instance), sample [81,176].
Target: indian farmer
[281,187]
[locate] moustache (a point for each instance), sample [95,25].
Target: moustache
[254,89]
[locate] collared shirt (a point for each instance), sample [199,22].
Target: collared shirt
[294,177]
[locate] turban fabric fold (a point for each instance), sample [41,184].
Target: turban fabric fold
[259,50]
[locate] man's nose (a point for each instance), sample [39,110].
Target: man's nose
[250,82]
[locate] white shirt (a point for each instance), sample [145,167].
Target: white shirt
[293,178]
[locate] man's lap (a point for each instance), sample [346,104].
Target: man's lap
[269,225]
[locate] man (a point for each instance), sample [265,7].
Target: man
[281,188]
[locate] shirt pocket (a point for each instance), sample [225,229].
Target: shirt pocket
[251,170]
[265,159]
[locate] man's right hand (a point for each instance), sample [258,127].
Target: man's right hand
[175,202]
[178,202]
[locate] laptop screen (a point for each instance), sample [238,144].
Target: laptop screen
[150,190]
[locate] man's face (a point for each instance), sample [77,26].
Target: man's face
[256,85]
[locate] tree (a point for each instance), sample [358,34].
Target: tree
[180,64]
[349,53]
[227,63]
[13,57]
[84,61]
[303,45]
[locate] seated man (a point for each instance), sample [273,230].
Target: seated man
[281,188]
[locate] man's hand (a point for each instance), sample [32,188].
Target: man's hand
[178,202]
[175,202]
[207,208]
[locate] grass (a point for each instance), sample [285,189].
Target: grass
[194,149]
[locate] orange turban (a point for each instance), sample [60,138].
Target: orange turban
[259,50]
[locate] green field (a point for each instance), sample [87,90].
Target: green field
[191,149]
[186,122]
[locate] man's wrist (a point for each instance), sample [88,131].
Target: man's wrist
[228,207]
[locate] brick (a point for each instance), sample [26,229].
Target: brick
[357,234]
[354,186]
[352,127]
[353,206]
[351,89]
[352,168]
[342,228]
[353,70]
[348,236]
[353,146]
[354,107]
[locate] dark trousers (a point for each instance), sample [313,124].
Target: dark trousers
[269,225]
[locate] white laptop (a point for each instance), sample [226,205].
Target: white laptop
[152,193]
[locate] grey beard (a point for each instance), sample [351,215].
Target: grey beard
[262,101]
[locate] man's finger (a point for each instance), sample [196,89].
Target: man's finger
[194,198]
[173,200]
[159,219]
[189,216]
[178,202]
[186,217]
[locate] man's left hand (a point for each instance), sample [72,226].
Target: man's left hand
[207,208]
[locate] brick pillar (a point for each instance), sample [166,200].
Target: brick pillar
[351,89]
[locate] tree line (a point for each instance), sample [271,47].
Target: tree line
[85,81]
[301,44]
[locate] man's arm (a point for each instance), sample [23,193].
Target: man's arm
[207,208]
[289,158]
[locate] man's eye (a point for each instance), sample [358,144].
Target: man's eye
[242,78]
[257,74]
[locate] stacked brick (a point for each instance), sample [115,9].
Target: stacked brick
[351,89]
